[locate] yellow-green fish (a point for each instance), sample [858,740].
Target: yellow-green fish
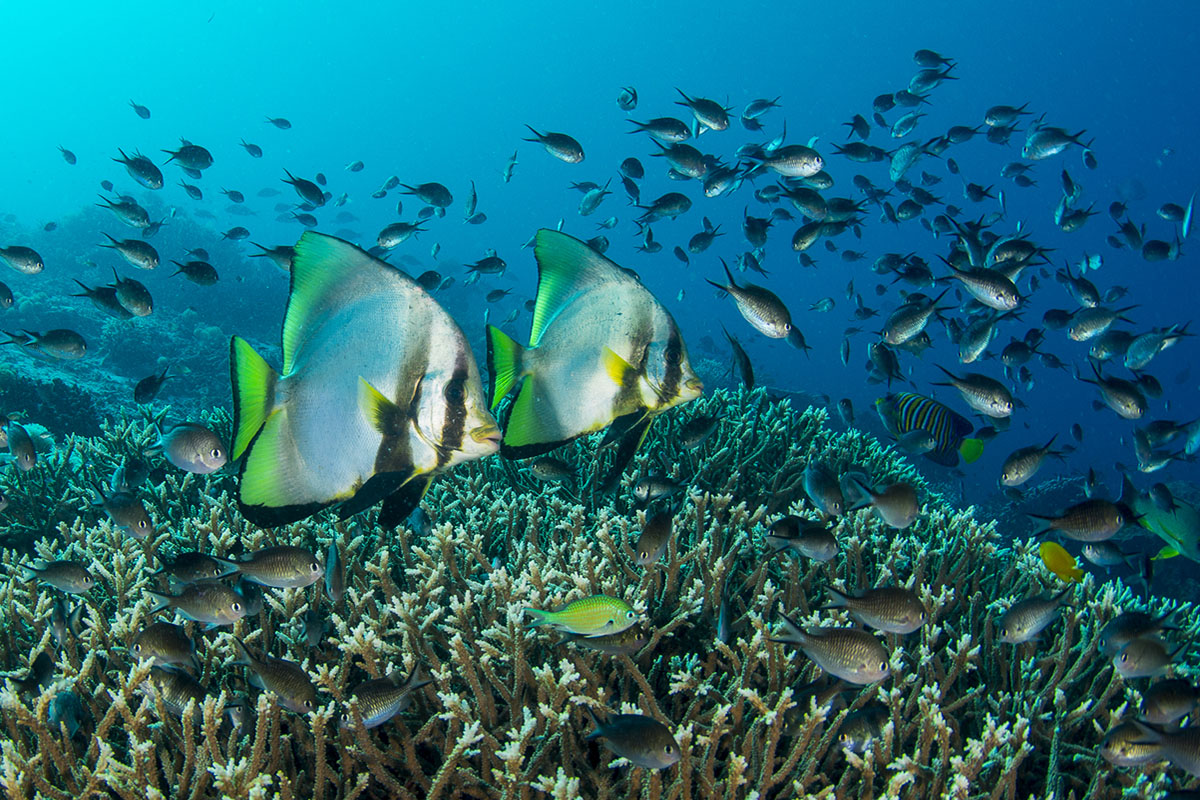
[602,349]
[354,424]
[597,615]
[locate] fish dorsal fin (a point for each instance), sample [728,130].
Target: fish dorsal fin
[322,266]
[566,269]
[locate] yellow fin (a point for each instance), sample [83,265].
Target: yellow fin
[1166,552]
[620,371]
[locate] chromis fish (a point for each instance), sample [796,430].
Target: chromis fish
[1060,562]
[588,616]
[1026,618]
[759,306]
[603,349]
[408,406]
[892,609]
[165,644]
[656,535]
[210,603]
[281,567]
[628,642]
[71,577]
[192,448]
[286,679]
[377,701]
[809,538]
[851,654]
[642,740]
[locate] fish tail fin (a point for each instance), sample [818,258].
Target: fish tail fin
[253,393]
[505,363]
[159,602]
[539,617]
[599,730]
[970,450]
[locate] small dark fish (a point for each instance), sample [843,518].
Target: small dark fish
[376,702]
[697,430]
[140,110]
[643,740]
[627,100]
[891,609]
[254,150]
[851,654]
[165,644]
[192,567]
[560,145]
[335,573]
[809,538]
[67,155]
[279,122]
[71,577]
[655,487]
[552,470]
[1027,618]
[281,567]
[1129,626]
[148,388]
[656,534]
[286,679]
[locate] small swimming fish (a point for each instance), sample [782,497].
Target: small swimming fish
[377,701]
[281,567]
[1026,618]
[1060,562]
[656,534]
[71,577]
[892,609]
[335,574]
[165,644]
[851,654]
[642,740]
[193,448]
[587,616]
[809,538]
[286,679]
[210,603]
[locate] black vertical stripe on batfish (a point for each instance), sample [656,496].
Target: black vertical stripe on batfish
[455,420]
[400,504]
[674,372]
[395,449]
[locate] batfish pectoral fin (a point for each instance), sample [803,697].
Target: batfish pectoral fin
[402,502]
[377,487]
[634,435]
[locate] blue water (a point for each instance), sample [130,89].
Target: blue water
[438,92]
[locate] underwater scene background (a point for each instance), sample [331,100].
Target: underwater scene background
[803,582]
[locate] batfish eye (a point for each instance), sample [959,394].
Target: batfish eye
[453,391]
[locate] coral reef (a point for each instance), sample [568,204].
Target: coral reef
[966,716]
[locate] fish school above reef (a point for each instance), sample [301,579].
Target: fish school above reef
[698,595]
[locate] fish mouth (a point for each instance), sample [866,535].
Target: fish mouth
[694,387]
[487,435]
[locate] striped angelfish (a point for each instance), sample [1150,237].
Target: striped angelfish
[379,392]
[602,350]
[907,411]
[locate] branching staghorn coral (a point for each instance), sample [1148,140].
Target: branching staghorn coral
[967,716]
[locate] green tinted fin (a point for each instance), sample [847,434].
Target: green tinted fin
[270,480]
[566,268]
[631,442]
[971,450]
[1166,552]
[253,383]
[322,265]
[504,361]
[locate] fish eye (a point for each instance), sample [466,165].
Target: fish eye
[453,391]
[314,567]
[630,615]
[137,648]
[236,607]
[923,616]
[883,666]
[643,554]
[345,717]
[215,452]
[308,704]
[1124,658]
[669,749]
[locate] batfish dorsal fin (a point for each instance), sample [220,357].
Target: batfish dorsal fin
[322,265]
[566,269]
